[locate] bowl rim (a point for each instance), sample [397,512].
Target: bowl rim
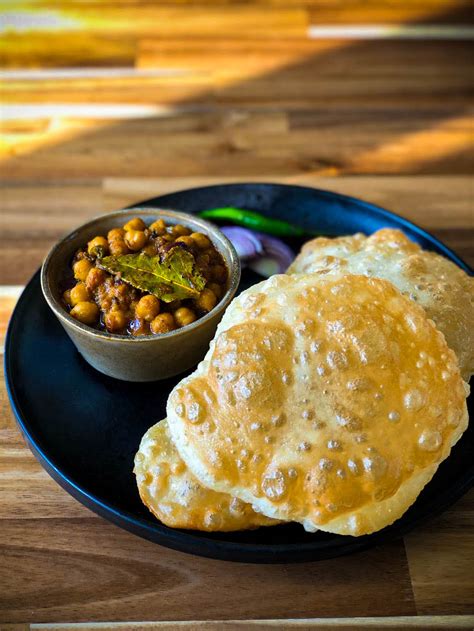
[234,273]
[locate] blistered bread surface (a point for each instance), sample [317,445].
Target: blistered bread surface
[444,290]
[175,496]
[326,401]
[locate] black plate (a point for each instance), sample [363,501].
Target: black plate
[84,427]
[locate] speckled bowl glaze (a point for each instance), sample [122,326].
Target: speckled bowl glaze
[146,357]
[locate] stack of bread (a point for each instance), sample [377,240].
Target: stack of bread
[329,395]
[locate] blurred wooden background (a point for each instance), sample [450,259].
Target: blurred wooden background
[106,103]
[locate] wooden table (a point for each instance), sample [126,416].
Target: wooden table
[167,96]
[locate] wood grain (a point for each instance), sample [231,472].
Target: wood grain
[200,92]
[442,552]
[388,623]
[46,210]
[130,574]
[235,146]
[301,72]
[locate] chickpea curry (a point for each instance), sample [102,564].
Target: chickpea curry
[114,301]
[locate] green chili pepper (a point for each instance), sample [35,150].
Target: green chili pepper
[254,221]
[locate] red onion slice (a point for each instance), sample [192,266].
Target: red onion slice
[264,254]
[246,242]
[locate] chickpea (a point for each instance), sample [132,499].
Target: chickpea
[98,246]
[186,240]
[218,273]
[95,277]
[148,307]
[134,224]
[115,320]
[180,231]
[184,316]
[86,312]
[149,250]
[135,239]
[67,297]
[81,269]
[79,293]
[217,289]
[201,240]
[118,247]
[165,238]
[158,227]
[163,323]
[116,234]
[207,300]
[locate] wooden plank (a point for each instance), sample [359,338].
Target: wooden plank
[226,70]
[230,59]
[328,11]
[8,298]
[106,33]
[9,434]
[49,208]
[391,12]
[41,212]
[36,216]
[323,5]
[162,20]
[239,144]
[388,623]
[53,50]
[79,569]
[434,202]
[443,205]
[435,560]
[45,209]
[23,481]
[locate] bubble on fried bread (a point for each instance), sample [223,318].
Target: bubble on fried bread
[430,440]
[413,400]
[274,485]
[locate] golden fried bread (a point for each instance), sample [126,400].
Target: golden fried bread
[174,495]
[444,290]
[326,401]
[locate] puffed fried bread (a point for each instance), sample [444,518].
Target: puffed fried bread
[444,290]
[176,498]
[329,401]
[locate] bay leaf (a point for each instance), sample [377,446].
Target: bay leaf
[175,277]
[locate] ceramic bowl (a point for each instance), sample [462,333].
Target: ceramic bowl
[146,357]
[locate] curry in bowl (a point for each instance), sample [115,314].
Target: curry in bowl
[144,279]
